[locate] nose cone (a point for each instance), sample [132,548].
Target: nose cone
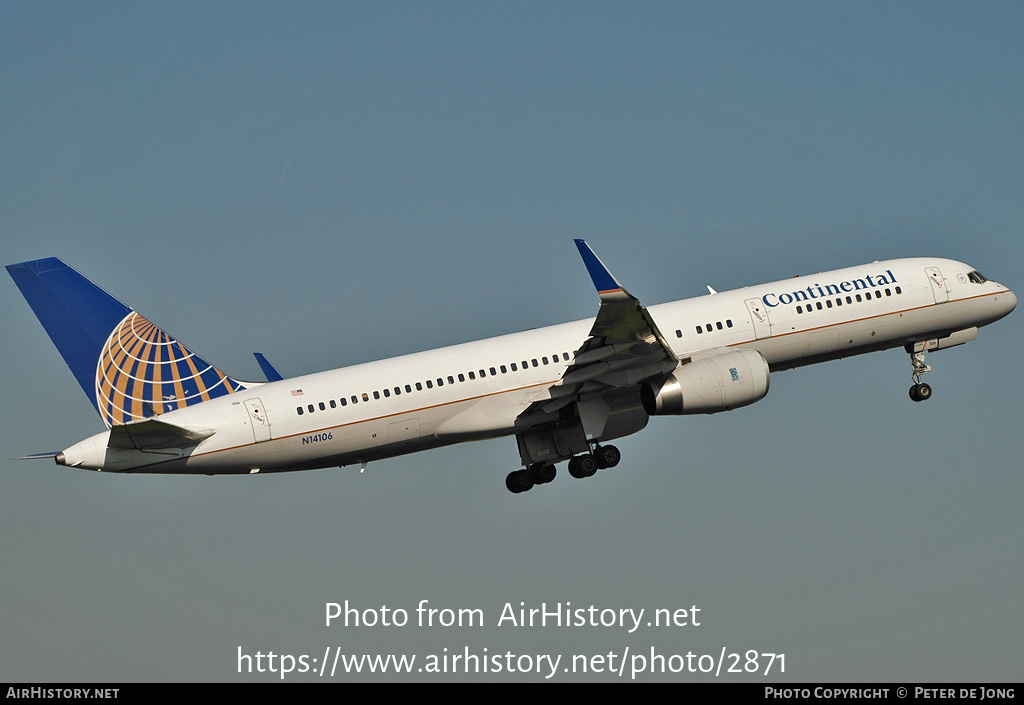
[1011,301]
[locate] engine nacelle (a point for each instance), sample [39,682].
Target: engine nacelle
[718,383]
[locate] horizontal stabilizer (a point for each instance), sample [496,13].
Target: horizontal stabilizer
[269,370]
[153,434]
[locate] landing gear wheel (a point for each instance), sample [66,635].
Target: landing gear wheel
[920,392]
[519,481]
[607,457]
[582,466]
[542,473]
[574,468]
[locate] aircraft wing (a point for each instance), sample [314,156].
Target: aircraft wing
[625,348]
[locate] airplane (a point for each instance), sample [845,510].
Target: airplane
[562,391]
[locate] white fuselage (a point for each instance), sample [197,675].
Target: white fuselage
[477,390]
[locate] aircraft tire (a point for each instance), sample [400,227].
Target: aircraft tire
[542,473]
[510,483]
[519,481]
[587,465]
[607,457]
[574,468]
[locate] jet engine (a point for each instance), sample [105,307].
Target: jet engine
[718,383]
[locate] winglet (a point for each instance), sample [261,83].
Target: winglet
[608,287]
[269,370]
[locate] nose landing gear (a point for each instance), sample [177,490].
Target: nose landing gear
[920,391]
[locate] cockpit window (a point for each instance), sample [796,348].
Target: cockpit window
[977,277]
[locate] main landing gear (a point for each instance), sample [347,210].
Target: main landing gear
[920,391]
[580,466]
[522,480]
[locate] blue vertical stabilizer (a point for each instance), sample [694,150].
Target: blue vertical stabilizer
[129,368]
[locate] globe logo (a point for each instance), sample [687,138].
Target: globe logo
[144,372]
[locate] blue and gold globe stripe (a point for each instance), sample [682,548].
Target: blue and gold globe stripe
[144,372]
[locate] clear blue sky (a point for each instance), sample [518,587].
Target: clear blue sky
[331,183]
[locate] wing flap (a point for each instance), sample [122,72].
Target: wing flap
[624,349]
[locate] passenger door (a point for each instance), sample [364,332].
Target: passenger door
[938,282]
[258,420]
